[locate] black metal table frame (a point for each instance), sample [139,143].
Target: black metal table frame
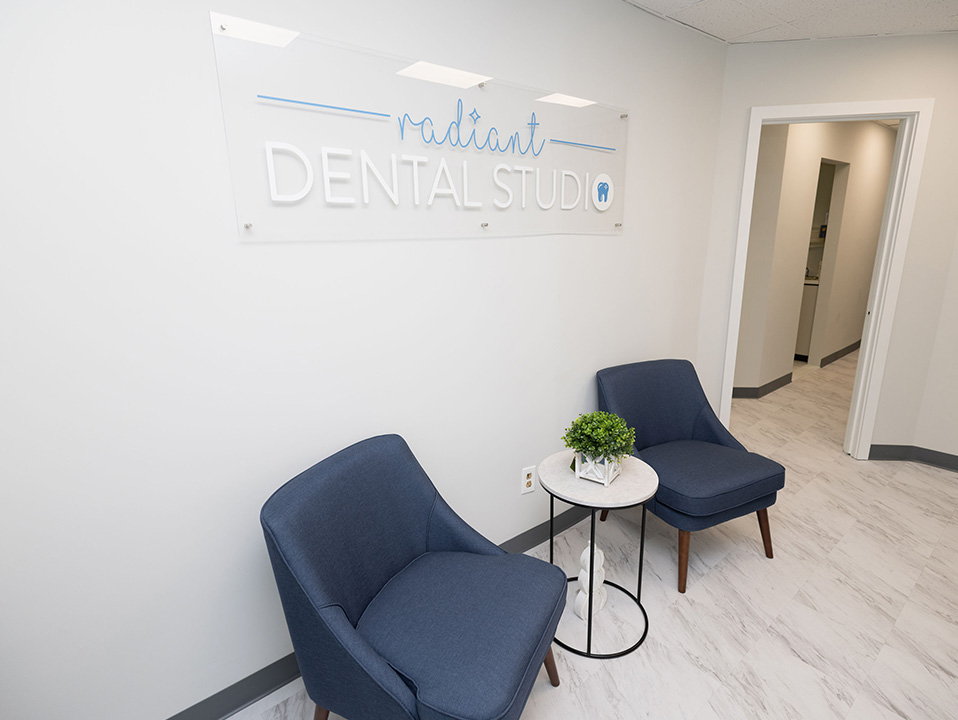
[638,593]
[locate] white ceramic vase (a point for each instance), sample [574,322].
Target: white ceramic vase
[581,602]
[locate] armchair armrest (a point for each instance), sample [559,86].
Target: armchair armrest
[708,428]
[363,681]
[450,533]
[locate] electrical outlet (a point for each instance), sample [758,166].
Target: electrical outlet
[528,479]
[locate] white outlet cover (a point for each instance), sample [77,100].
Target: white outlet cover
[528,484]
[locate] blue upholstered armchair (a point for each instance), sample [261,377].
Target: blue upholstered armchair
[705,475]
[397,609]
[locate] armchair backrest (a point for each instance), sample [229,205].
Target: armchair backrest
[662,399]
[348,524]
[336,534]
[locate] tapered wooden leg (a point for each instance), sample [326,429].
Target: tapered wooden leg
[684,537]
[550,663]
[321,713]
[603,515]
[766,533]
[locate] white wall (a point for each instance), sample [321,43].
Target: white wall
[777,256]
[161,380]
[937,425]
[769,174]
[857,70]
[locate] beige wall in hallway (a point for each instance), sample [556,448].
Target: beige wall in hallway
[761,250]
[775,273]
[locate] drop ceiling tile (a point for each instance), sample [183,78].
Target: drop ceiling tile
[870,18]
[771,20]
[843,23]
[773,34]
[662,7]
[725,19]
[789,10]
[930,25]
[940,8]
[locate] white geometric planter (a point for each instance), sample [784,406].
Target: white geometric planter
[600,470]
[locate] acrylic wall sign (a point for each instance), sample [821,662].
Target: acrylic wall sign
[328,142]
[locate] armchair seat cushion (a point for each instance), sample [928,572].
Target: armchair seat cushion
[468,633]
[701,478]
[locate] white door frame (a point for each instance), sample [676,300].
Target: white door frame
[915,117]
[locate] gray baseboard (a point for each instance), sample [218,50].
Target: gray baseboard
[540,533]
[271,678]
[914,454]
[840,353]
[757,392]
[243,693]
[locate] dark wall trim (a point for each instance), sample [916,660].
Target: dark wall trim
[540,533]
[244,693]
[828,359]
[282,672]
[915,454]
[746,392]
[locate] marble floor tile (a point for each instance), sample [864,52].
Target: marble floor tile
[661,681]
[843,652]
[930,638]
[763,438]
[295,707]
[937,590]
[868,707]
[743,416]
[593,695]
[791,419]
[853,595]
[715,628]
[855,618]
[287,703]
[772,682]
[902,686]
[802,460]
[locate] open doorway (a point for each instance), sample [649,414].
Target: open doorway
[915,116]
[819,199]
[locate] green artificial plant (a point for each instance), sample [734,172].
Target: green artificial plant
[600,434]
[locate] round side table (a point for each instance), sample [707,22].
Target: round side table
[636,484]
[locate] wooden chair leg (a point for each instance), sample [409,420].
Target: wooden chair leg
[766,533]
[550,663]
[321,713]
[684,537]
[603,515]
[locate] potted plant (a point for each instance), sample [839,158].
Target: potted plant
[600,440]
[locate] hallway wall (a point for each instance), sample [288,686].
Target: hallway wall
[913,400]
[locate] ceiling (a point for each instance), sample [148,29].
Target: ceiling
[751,21]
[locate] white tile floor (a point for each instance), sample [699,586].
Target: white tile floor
[856,617]
[800,368]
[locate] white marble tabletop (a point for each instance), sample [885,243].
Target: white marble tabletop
[636,483]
